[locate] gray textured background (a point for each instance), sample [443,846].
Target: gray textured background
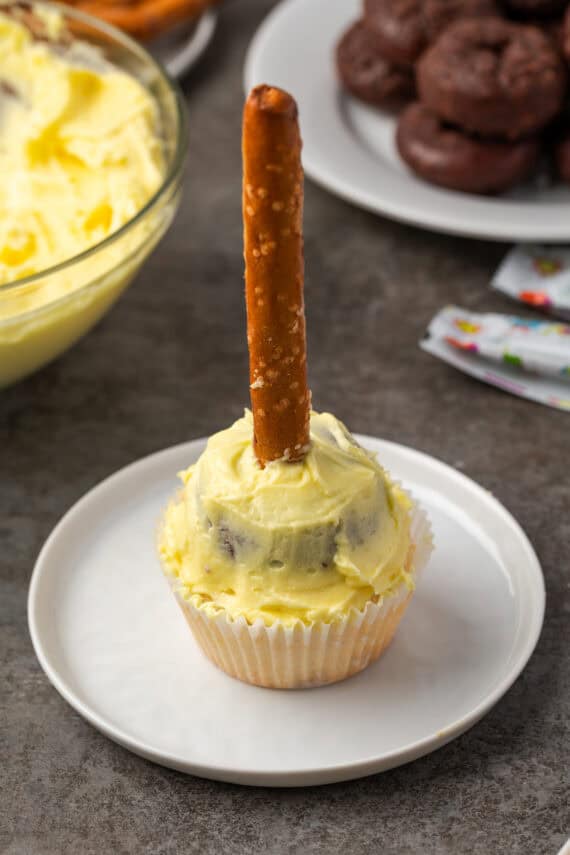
[168,364]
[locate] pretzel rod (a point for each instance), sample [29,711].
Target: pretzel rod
[274,273]
[144,19]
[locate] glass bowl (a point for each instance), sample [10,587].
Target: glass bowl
[42,315]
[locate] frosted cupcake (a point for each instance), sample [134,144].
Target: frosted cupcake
[290,551]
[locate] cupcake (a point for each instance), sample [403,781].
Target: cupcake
[291,552]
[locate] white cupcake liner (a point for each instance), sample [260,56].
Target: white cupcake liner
[299,656]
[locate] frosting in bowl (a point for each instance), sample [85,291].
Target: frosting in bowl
[305,541]
[80,152]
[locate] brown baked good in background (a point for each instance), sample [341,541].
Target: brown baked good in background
[439,14]
[367,75]
[552,27]
[404,28]
[451,158]
[488,87]
[492,77]
[397,26]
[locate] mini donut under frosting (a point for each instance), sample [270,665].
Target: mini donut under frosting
[307,541]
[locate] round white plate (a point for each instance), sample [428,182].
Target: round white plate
[113,642]
[181,48]
[349,147]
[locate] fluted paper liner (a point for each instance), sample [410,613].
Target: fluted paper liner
[299,656]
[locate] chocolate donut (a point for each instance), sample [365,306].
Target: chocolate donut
[553,28]
[404,28]
[367,75]
[450,158]
[493,78]
[439,14]
[398,27]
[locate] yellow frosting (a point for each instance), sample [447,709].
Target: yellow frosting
[291,542]
[80,154]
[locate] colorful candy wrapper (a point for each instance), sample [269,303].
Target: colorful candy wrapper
[525,357]
[538,276]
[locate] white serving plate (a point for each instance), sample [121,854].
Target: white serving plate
[111,639]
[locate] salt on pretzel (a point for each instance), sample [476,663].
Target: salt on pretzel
[274,275]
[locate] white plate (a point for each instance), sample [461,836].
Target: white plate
[181,48]
[111,639]
[349,147]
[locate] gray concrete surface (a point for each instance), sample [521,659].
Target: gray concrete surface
[168,364]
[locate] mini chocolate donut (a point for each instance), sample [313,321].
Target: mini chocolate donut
[439,14]
[535,8]
[398,27]
[450,158]
[492,77]
[404,28]
[367,75]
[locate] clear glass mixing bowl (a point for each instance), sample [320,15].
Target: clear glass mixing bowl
[44,314]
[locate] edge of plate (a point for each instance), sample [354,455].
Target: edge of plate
[299,777]
[185,58]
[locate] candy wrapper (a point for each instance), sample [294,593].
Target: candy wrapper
[525,357]
[537,276]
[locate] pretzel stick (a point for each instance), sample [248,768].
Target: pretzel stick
[274,272]
[147,18]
